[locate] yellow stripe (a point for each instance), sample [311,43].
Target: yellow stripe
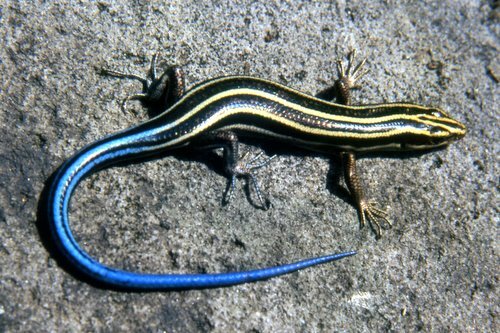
[309,130]
[294,106]
[426,118]
[309,97]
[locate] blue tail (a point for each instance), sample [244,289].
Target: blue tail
[132,280]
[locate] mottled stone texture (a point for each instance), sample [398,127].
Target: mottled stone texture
[435,270]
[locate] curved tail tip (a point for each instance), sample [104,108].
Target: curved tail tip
[348,254]
[338,256]
[324,259]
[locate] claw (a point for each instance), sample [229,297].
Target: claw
[245,169]
[369,211]
[351,75]
[152,68]
[229,190]
[147,82]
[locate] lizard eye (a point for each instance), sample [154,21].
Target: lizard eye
[439,113]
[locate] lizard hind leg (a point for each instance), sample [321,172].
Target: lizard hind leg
[158,93]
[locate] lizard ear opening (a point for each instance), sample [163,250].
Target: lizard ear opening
[435,130]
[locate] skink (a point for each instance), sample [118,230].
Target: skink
[222,109]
